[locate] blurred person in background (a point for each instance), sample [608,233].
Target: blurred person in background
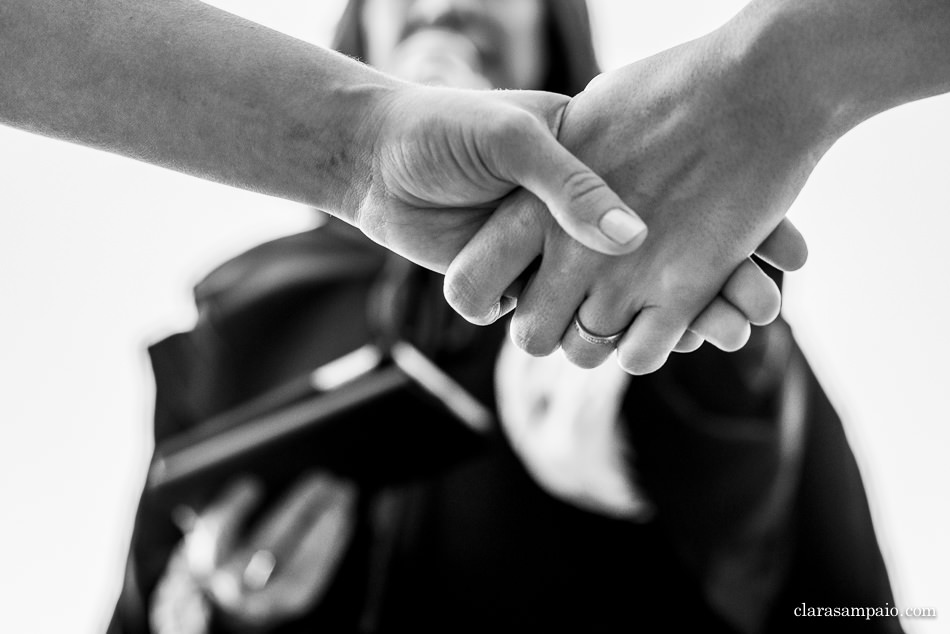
[717,493]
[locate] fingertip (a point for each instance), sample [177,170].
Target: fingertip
[753,294]
[689,342]
[770,313]
[641,363]
[497,310]
[767,306]
[799,260]
[785,248]
[530,340]
[649,342]
[723,325]
[737,341]
[465,296]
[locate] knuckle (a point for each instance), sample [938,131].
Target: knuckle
[531,341]
[582,184]
[639,362]
[461,291]
[734,339]
[514,127]
[587,359]
[515,123]
[674,281]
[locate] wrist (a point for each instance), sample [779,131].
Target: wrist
[787,78]
[360,121]
[836,64]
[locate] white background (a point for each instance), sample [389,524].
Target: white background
[98,255]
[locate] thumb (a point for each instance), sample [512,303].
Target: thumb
[581,202]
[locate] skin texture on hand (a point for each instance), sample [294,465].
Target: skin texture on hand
[712,141]
[445,58]
[711,168]
[187,86]
[196,89]
[713,174]
[444,158]
[693,141]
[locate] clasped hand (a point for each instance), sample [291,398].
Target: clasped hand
[692,153]
[674,140]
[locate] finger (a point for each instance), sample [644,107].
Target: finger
[689,342]
[648,342]
[594,331]
[753,293]
[722,325]
[546,306]
[581,202]
[785,248]
[216,529]
[478,279]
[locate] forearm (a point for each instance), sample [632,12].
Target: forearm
[187,86]
[844,61]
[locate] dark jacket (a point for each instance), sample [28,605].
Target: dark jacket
[760,503]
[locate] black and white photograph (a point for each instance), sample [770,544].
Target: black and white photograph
[382,316]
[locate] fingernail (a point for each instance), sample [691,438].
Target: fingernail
[506,304]
[493,313]
[621,226]
[500,308]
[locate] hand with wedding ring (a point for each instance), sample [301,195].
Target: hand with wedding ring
[277,571]
[695,155]
[544,318]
